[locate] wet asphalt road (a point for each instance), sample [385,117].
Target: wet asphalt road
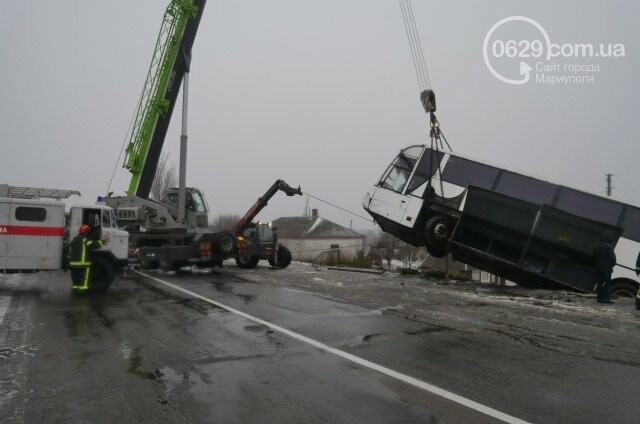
[143,352]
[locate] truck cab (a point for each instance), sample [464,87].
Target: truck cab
[197,213]
[101,218]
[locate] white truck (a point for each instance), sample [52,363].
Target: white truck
[34,231]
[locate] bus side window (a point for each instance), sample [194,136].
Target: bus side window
[526,188]
[461,172]
[589,206]
[427,167]
[631,226]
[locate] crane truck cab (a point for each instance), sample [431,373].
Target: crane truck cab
[197,208]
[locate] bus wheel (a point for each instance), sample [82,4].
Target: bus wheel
[437,235]
[622,289]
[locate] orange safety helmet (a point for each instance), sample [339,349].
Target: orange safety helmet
[85,229]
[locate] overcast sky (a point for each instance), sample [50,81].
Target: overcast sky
[321,94]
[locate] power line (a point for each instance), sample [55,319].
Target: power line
[630,188]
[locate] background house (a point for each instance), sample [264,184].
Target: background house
[309,236]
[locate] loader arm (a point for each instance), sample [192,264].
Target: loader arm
[279,185]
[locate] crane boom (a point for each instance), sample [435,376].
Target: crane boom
[170,61]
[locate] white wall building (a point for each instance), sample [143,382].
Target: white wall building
[309,236]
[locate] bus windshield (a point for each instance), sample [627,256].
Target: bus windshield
[397,174]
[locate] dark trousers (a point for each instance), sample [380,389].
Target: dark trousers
[603,285]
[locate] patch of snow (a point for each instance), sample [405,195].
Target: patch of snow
[316,223]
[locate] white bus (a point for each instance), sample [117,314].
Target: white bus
[407,203]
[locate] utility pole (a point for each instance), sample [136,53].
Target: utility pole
[609,187]
[306,208]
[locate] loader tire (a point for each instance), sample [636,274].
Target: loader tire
[247,261]
[437,236]
[224,243]
[284,258]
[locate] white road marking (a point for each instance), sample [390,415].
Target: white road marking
[355,359]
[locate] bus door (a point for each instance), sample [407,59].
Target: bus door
[388,204]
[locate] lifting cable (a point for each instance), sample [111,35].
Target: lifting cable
[428,99]
[338,207]
[415,45]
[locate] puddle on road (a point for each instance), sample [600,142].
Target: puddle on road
[377,337]
[224,288]
[174,382]
[135,362]
[198,305]
[97,307]
[257,328]
[177,382]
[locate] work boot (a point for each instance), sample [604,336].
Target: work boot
[606,300]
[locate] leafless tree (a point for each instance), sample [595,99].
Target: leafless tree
[166,177]
[387,245]
[225,222]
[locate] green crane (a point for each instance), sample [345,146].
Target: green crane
[169,63]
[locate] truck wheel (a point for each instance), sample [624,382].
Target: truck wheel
[102,274]
[166,265]
[437,235]
[224,243]
[145,263]
[622,289]
[247,261]
[284,258]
